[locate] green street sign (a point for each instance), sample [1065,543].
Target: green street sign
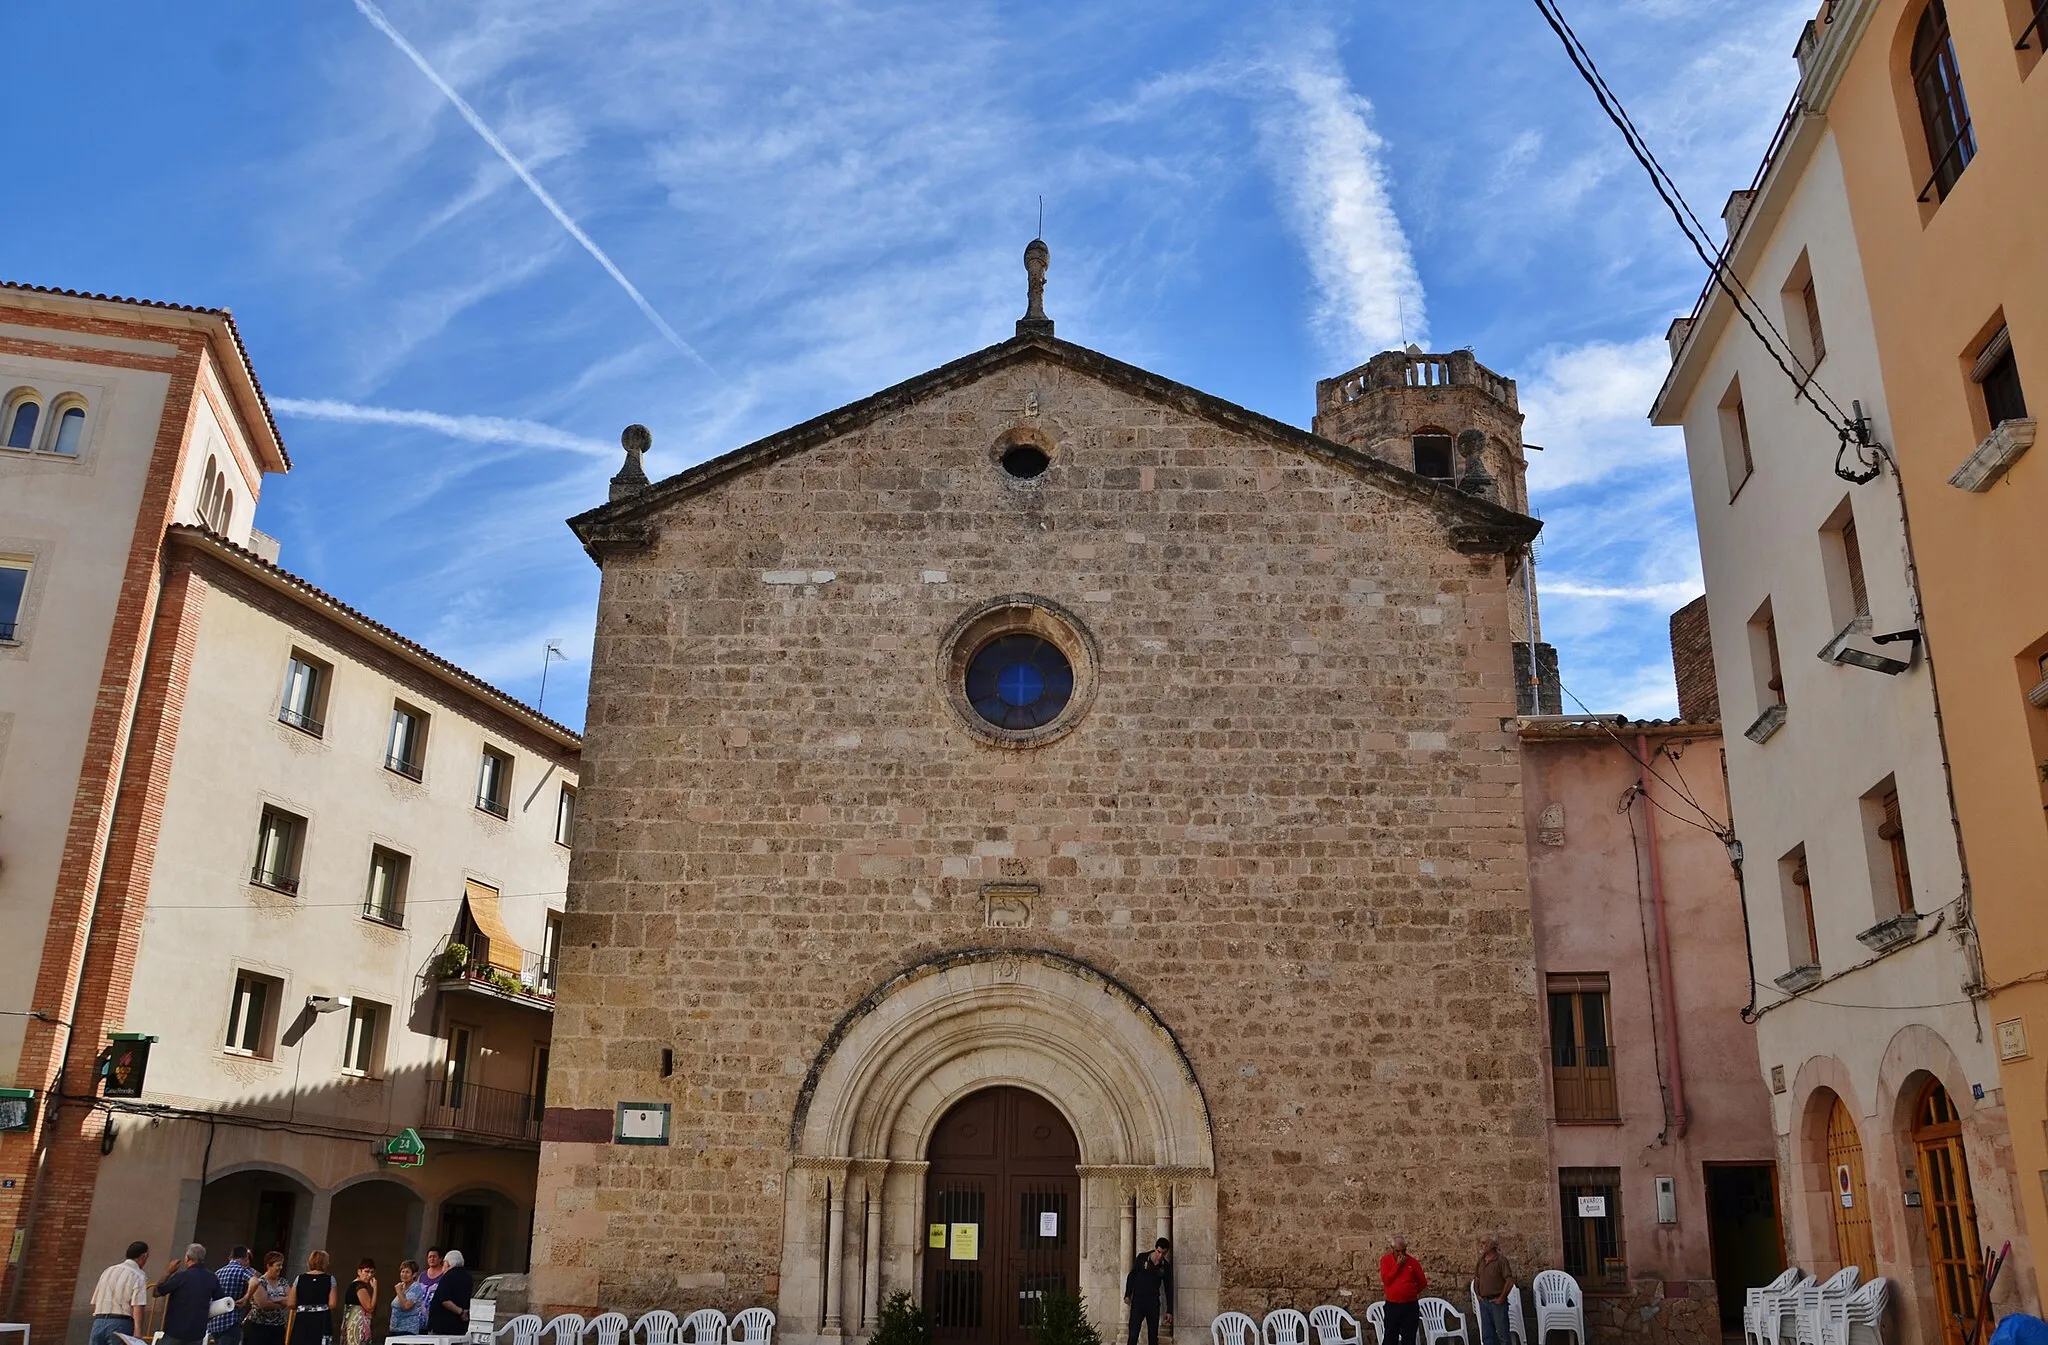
[405,1149]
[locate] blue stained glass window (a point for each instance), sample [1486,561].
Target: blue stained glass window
[1019,682]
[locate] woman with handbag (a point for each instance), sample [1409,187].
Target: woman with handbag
[362,1302]
[312,1300]
[267,1298]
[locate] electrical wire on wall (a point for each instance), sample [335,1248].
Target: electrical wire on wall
[1852,429]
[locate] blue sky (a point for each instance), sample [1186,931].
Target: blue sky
[818,199]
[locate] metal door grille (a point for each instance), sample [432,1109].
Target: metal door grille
[957,1287]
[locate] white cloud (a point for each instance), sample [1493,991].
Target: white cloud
[1589,405]
[1328,162]
[474,429]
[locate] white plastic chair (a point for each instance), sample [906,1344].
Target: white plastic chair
[1376,1318]
[1818,1300]
[1862,1315]
[1518,1328]
[608,1327]
[1284,1326]
[658,1327]
[567,1329]
[1233,1328]
[524,1329]
[705,1326]
[1441,1322]
[1560,1306]
[1335,1326]
[1760,1307]
[752,1326]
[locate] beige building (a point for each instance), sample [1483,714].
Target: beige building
[275,816]
[1034,809]
[1869,951]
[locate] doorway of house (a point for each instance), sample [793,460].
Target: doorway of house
[1001,1201]
[467,1228]
[1743,1233]
[1848,1202]
[1949,1211]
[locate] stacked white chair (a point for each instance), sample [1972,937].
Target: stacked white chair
[523,1329]
[1233,1328]
[1284,1326]
[1517,1333]
[567,1329]
[1862,1314]
[608,1328]
[1560,1306]
[1376,1318]
[658,1327]
[1441,1322]
[1818,1299]
[1335,1326]
[705,1326]
[752,1326]
[1760,1308]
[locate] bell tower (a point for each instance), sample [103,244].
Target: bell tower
[1450,418]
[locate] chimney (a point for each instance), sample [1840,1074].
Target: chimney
[1737,210]
[1692,662]
[1675,334]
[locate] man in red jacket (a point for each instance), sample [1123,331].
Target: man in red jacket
[1403,1282]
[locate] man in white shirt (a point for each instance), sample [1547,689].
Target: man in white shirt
[120,1301]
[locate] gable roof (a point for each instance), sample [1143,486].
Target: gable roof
[240,365]
[1475,526]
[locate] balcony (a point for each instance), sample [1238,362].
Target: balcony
[301,721]
[462,970]
[457,1110]
[411,770]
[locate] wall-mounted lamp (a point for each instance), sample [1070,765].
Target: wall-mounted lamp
[1890,667]
[328,1003]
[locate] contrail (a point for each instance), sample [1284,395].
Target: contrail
[475,429]
[476,123]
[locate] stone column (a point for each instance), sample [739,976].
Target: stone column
[1127,1221]
[871,1250]
[835,1250]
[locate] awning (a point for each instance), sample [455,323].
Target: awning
[502,951]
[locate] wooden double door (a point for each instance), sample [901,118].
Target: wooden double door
[1001,1204]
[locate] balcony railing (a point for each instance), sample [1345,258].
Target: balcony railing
[494,806]
[301,721]
[493,1113]
[411,770]
[471,968]
[6,630]
[271,878]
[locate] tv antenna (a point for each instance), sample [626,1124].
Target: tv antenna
[547,656]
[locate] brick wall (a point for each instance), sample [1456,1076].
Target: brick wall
[1290,822]
[1692,660]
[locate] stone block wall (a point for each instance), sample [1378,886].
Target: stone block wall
[1290,823]
[1692,660]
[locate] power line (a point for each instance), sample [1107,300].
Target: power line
[1719,828]
[1848,429]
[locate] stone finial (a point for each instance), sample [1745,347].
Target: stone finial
[1037,257]
[1475,479]
[632,477]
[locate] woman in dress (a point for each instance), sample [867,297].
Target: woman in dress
[408,1301]
[362,1305]
[313,1298]
[267,1298]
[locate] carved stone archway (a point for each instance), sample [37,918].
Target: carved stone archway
[941,1029]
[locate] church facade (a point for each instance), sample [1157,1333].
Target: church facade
[1039,808]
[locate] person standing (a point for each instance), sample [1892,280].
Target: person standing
[408,1301]
[120,1301]
[232,1280]
[313,1298]
[269,1303]
[190,1289]
[1146,1289]
[430,1278]
[356,1320]
[1493,1279]
[1403,1283]
[448,1315]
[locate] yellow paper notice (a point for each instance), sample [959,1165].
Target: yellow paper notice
[935,1237]
[966,1242]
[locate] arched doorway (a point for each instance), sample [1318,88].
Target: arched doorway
[1854,1245]
[488,1228]
[1001,1199]
[1948,1210]
[259,1208]
[377,1218]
